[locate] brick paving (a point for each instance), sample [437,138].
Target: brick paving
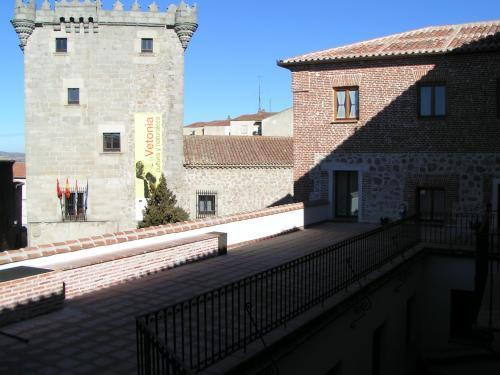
[95,334]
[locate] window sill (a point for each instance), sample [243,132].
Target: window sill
[60,53]
[147,54]
[73,105]
[111,153]
[353,121]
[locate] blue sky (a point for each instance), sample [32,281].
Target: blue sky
[238,40]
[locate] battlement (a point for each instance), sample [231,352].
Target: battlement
[74,15]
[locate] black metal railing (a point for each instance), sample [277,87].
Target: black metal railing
[458,229]
[191,335]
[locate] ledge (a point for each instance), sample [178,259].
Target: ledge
[40,251]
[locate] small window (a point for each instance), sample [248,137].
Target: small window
[147,45]
[431,203]
[73,96]
[432,100]
[75,206]
[206,205]
[111,142]
[62,45]
[346,104]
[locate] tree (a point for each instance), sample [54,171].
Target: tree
[161,207]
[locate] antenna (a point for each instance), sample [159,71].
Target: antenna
[260,94]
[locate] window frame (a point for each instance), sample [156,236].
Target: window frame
[433,86]
[147,51]
[434,216]
[72,211]
[201,214]
[65,46]
[73,102]
[347,90]
[112,149]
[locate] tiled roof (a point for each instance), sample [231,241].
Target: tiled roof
[469,37]
[259,116]
[226,151]
[19,169]
[210,123]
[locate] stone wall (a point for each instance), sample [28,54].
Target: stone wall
[388,180]
[239,189]
[116,81]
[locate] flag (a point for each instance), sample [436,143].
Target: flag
[76,197]
[59,191]
[86,196]
[68,194]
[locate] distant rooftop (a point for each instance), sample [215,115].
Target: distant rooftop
[259,116]
[469,37]
[238,151]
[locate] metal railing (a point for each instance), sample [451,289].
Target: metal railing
[456,229]
[189,336]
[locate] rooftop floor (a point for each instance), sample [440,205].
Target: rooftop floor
[96,333]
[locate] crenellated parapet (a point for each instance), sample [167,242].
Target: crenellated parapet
[86,16]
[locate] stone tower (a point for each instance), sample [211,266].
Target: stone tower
[95,80]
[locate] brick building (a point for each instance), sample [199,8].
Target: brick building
[408,121]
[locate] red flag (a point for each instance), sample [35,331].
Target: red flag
[59,192]
[67,189]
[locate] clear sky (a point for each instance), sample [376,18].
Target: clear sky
[240,40]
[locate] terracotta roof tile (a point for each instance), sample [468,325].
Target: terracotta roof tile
[259,116]
[479,36]
[210,123]
[238,151]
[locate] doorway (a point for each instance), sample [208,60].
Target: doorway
[346,195]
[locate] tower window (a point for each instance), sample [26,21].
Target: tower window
[61,45]
[147,45]
[73,96]
[111,142]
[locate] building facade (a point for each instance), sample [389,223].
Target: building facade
[279,125]
[404,123]
[230,175]
[101,87]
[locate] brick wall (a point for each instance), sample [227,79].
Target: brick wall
[30,296]
[394,151]
[115,269]
[25,297]
[388,120]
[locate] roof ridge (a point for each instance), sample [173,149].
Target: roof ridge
[440,42]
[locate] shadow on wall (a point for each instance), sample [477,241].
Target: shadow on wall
[33,307]
[470,125]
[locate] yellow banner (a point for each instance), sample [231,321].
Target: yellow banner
[148,152]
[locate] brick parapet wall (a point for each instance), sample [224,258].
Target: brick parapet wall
[139,234]
[26,297]
[30,296]
[114,269]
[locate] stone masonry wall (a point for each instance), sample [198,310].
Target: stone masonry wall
[239,189]
[389,126]
[65,141]
[388,180]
